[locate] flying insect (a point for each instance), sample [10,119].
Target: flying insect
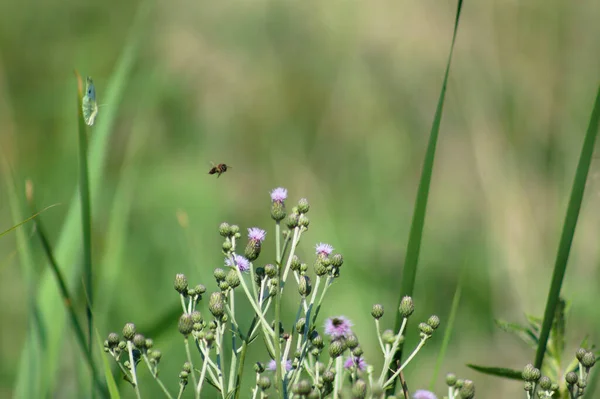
[218,169]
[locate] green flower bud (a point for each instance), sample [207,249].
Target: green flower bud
[388,337]
[320,267]
[122,345]
[337,260]
[197,327]
[303,221]
[304,286]
[252,250]
[185,324]
[303,206]
[139,341]
[149,343]
[216,305]
[467,391]
[113,340]
[450,379]
[554,387]
[264,383]
[292,221]
[259,367]
[196,316]
[528,386]
[277,211]
[187,367]
[433,321]
[357,352]
[225,229]
[129,331]
[184,375]
[300,326]
[191,292]
[359,389]
[328,376]
[303,268]
[317,341]
[227,245]
[223,285]
[589,359]
[295,263]
[351,341]
[200,289]
[156,355]
[271,271]
[571,378]
[377,311]
[407,307]
[209,337]
[235,229]
[582,384]
[303,387]
[425,329]
[313,394]
[232,279]
[336,348]
[181,283]
[580,353]
[219,274]
[545,383]
[530,373]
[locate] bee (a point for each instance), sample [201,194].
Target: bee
[89,105]
[219,169]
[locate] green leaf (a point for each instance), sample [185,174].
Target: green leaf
[525,334]
[566,239]
[498,372]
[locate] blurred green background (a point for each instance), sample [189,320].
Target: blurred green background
[334,101]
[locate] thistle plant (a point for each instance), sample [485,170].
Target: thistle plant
[309,358]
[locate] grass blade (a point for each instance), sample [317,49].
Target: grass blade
[67,249]
[498,372]
[16,226]
[413,249]
[564,247]
[113,390]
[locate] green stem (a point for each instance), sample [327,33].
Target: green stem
[240,371]
[133,371]
[189,357]
[155,376]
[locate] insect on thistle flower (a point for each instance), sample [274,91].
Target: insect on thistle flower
[89,105]
[219,169]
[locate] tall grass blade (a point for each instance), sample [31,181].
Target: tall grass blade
[564,247]
[416,229]
[16,226]
[67,249]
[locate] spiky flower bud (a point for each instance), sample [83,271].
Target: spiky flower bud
[317,341]
[219,274]
[407,307]
[589,359]
[351,341]
[113,340]
[155,355]
[271,270]
[227,245]
[235,229]
[337,260]
[328,376]
[292,221]
[122,345]
[377,311]
[200,289]
[223,285]
[303,221]
[304,286]
[264,383]
[467,391]
[295,263]
[129,331]
[450,379]
[225,229]
[303,205]
[359,389]
[528,386]
[580,353]
[187,367]
[336,348]
[303,387]
[300,325]
[425,329]
[139,341]
[185,324]
[216,305]
[571,378]
[433,321]
[278,196]
[357,352]
[545,383]
[196,316]
[530,373]
[320,267]
[232,279]
[181,283]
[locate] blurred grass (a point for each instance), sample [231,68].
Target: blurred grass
[333,101]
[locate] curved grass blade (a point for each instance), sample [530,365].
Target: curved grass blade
[16,226]
[67,249]
[498,372]
[413,249]
[564,247]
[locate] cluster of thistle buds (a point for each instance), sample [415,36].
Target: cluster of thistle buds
[459,388]
[576,383]
[534,381]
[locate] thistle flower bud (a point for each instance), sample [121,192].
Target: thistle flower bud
[388,337]
[293,221]
[580,353]
[571,378]
[351,341]
[259,367]
[278,196]
[295,263]
[191,292]
[129,331]
[425,329]
[225,229]
[264,383]
[320,267]
[337,260]
[530,373]
[149,343]
[234,229]
[216,305]
[187,367]
[303,221]
[271,271]
[300,326]
[359,389]
[554,387]
[303,268]
[196,316]
[122,345]
[317,341]
[185,324]
[450,379]
[200,289]
[227,245]
[588,360]
[357,352]
[113,340]
[467,391]
[303,206]
[139,341]
[377,311]
[528,386]
[407,307]
[219,274]
[232,279]
[304,286]
[156,355]
[328,376]
[433,321]
[303,387]
[545,383]
[223,286]
[181,283]
[336,348]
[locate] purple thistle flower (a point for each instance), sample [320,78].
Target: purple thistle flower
[423,394]
[353,361]
[337,327]
[271,365]
[324,249]
[256,234]
[242,263]
[279,195]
